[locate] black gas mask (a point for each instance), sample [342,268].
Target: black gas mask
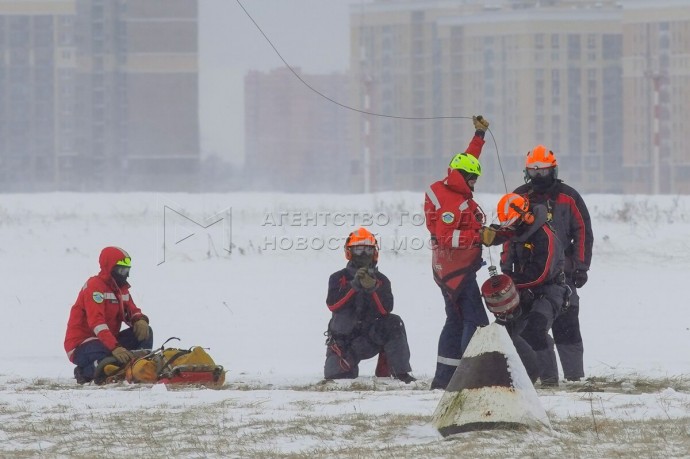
[541,179]
[470,179]
[362,255]
[120,274]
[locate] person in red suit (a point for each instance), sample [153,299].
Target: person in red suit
[455,222]
[102,306]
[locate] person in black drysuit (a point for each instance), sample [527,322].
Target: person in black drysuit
[362,326]
[568,215]
[533,257]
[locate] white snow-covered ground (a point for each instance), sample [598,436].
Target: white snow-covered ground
[260,308]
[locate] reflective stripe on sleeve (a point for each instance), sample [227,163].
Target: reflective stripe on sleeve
[455,241]
[99,328]
[432,197]
[464,205]
[125,297]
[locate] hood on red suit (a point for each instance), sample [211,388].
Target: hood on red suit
[109,258]
[456,182]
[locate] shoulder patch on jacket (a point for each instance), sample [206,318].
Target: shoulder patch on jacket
[97,297]
[448,217]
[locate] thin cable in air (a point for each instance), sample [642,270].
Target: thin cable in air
[364,112]
[335,101]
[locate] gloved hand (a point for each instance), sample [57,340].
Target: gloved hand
[141,329]
[122,355]
[367,281]
[579,277]
[480,123]
[356,282]
[526,297]
[487,235]
[501,320]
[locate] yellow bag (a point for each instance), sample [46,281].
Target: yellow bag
[176,366]
[143,370]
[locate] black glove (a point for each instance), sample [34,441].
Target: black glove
[501,320]
[579,277]
[526,297]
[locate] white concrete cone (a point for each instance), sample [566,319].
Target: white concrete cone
[490,389]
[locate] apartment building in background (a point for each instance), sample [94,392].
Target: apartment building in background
[296,140]
[396,71]
[99,95]
[544,76]
[656,82]
[537,73]
[604,84]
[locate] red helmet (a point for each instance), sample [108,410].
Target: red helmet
[361,237]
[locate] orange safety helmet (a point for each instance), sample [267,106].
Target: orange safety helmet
[539,158]
[513,208]
[361,237]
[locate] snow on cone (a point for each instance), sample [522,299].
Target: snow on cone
[490,388]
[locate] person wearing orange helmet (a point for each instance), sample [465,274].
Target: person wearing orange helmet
[102,306]
[533,257]
[454,221]
[568,215]
[362,325]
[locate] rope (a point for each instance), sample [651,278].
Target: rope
[365,112]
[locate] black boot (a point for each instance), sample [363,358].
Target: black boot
[405,377]
[81,379]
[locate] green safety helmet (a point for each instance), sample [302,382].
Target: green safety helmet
[465,162]
[126,261]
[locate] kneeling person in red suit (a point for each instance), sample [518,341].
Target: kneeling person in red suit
[103,304]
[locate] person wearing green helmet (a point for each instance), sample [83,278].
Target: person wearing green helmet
[104,303]
[455,222]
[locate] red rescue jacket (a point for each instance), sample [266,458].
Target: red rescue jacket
[454,219]
[101,307]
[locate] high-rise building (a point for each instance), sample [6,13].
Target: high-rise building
[99,94]
[541,74]
[396,73]
[36,95]
[296,140]
[656,75]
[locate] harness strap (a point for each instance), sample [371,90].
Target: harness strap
[342,361]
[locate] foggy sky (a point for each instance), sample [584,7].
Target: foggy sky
[310,34]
